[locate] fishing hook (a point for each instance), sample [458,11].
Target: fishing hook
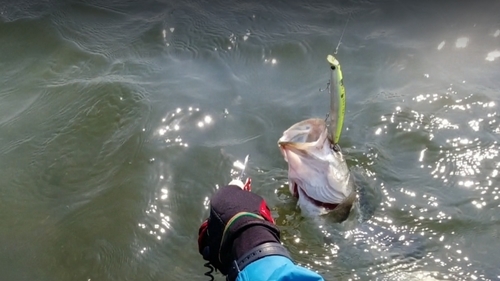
[326,88]
[333,146]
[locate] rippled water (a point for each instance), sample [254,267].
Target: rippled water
[118,120]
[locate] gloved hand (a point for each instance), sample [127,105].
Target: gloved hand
[239,221]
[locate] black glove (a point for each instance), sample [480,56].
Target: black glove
[239,221]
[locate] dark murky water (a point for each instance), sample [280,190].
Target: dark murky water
[118,119]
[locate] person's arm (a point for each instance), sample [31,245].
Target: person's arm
[241,240]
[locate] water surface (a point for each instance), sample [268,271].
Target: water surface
[119,119]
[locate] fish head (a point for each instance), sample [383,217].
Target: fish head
[317,174]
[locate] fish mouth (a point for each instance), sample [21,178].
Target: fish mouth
[299,192]
[286,144]
[297,148]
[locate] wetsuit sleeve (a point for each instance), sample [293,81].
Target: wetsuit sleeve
[277,268]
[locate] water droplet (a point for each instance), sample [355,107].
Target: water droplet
[441,45]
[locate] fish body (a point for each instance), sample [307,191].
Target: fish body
[318,174]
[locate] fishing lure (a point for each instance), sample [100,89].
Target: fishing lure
[337,100]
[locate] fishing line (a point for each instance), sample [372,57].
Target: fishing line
[342,35]
[337,50]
